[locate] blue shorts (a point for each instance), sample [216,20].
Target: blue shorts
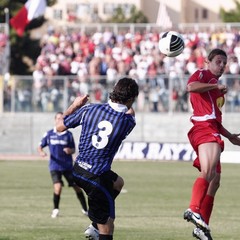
[57,177]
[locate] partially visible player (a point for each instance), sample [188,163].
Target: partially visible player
[104,127]
[61,146]
[207,98]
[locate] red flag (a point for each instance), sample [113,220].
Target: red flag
[31,9]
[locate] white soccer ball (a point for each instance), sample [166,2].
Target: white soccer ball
[171,44]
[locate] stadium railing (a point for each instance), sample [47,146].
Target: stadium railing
[90,28]
[157,94]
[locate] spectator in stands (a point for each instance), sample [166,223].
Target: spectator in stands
[112,73]
[3,41]
[7,98]
[24,97]
[233,66]
[45,99]
[63,51]
[39,81]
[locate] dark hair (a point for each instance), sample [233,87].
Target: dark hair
[58,113]
[124,90]
[215,52]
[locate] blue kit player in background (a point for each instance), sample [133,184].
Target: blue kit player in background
[61,146]
[104,127]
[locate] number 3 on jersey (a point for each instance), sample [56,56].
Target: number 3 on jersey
[100,140]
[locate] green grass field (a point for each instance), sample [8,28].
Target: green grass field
[157,194]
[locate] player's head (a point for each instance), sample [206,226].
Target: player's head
[215,52]
[217,61]
[125,91]
[58,117]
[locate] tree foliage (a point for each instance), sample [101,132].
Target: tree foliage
[232,15]
[136,16]
[22,48]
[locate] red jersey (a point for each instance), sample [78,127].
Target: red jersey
[207,105]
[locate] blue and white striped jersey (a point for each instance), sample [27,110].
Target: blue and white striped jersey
[59,160]
[104,127]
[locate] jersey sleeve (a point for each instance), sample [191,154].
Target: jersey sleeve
[132,124]
[44,141]
[71,143]
[196,77]
[75,119]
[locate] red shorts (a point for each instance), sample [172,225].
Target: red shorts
[204,132]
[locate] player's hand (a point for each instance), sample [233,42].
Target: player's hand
[68,150]
[43,154]
[131,111]
[234,139]
[223,88]
[80,101]
[77,103]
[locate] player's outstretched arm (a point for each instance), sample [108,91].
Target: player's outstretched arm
[232,137]
[235,139]
[199,87]
[77,103]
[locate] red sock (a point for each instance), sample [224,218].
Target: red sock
[199,192]
[206,208]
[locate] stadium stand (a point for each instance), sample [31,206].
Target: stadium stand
[74,62]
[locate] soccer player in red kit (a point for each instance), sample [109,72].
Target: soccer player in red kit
[207,98]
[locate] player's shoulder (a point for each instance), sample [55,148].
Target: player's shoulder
[91,106]
[199,74]
[50,132]
[47,133]
[204,75]
[130,117]
[97,106]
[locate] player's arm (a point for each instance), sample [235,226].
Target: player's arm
[69,150]
[131,111]
[77,103]
[41,151]
[200,87]
[232,137]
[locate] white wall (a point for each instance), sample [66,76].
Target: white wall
[21,133]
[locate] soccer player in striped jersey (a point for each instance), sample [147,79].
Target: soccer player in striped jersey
[61,147]
[104,127]
[207,99]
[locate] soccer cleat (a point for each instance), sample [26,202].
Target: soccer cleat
[91,233]
[55,213]
[196,219]
[200,234]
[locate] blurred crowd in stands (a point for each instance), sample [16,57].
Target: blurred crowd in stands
[94,61]
[3,44]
